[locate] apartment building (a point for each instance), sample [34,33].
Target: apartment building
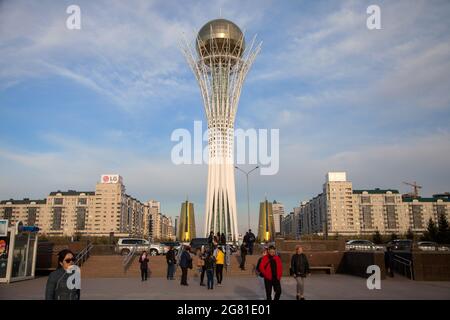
[340,209]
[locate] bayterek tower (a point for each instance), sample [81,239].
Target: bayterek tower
[220,62]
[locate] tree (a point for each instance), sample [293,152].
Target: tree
[443,234]
[394,236]
[377,237]
[432,232]
[410,234]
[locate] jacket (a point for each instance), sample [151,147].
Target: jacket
[143,262]
[170,257]
[185,260]
[56,288]
[265,269]
[220,256]
[299,265]
[209,262]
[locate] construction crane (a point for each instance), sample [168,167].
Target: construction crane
[416,187]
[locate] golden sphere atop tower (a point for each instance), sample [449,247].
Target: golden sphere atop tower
[220,37]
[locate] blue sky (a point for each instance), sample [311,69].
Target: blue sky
[106,98]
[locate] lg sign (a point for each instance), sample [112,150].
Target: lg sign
[109,178]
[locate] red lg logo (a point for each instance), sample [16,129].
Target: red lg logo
[105,179]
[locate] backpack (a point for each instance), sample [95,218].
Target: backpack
[257,268]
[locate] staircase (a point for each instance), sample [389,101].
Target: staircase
[111,266]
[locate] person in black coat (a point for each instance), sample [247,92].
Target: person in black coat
[57,286]
[171,262]
[223,239]
[299,269]
[143,260]
[243,255]
[185,263]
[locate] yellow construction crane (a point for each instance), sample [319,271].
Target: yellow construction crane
[416,187]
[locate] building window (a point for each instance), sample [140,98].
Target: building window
[82,201]
[367,217]
[81,218]
[417,217]
[440,210]
[58,201]
[7,214]
[57,214]
[390,199]
[391,217]
[31,216]
[365,199]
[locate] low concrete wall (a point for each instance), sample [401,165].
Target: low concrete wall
[356,263]
[310,245]
[431,266]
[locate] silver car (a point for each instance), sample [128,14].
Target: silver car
[125,245]
[362,245]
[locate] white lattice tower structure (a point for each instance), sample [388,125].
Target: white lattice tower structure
[220,63]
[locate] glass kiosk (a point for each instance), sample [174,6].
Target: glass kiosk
[18,247]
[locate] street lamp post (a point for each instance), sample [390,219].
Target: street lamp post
[248,196]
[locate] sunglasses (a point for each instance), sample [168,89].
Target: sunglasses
[69,260]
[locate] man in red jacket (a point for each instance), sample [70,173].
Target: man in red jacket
[272,269]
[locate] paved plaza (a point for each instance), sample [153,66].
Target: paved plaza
[318,287]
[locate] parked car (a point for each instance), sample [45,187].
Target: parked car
[431,246]
[427,245]
[362,245]
[400,244]
[175,244]
[125,245]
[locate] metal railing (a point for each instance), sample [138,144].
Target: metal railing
[83,255]
[129,257]
[407,265]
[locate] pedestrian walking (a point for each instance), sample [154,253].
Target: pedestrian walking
[219,255]
[389,261]
[209,267]
[250,241]
[272,269]
[299,270]
[223,239]
[56,288]
[143,261]
[211,240]
[171,263]
[201,265]
[243,255]
[185,264]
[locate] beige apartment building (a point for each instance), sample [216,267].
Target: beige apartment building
[106,210]
[340,209]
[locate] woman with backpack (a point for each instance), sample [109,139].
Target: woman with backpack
[299,269]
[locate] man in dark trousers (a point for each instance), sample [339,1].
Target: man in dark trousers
[243,255]
[185,263]
[271,269]
[299,270]
[250,241]
[171,262]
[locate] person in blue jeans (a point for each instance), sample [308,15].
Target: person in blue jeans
[171,263]
[209,266]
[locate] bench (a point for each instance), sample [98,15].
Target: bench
[328,269]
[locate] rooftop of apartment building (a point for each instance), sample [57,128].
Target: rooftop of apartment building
[23,201]
[72,193]
[375,191]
